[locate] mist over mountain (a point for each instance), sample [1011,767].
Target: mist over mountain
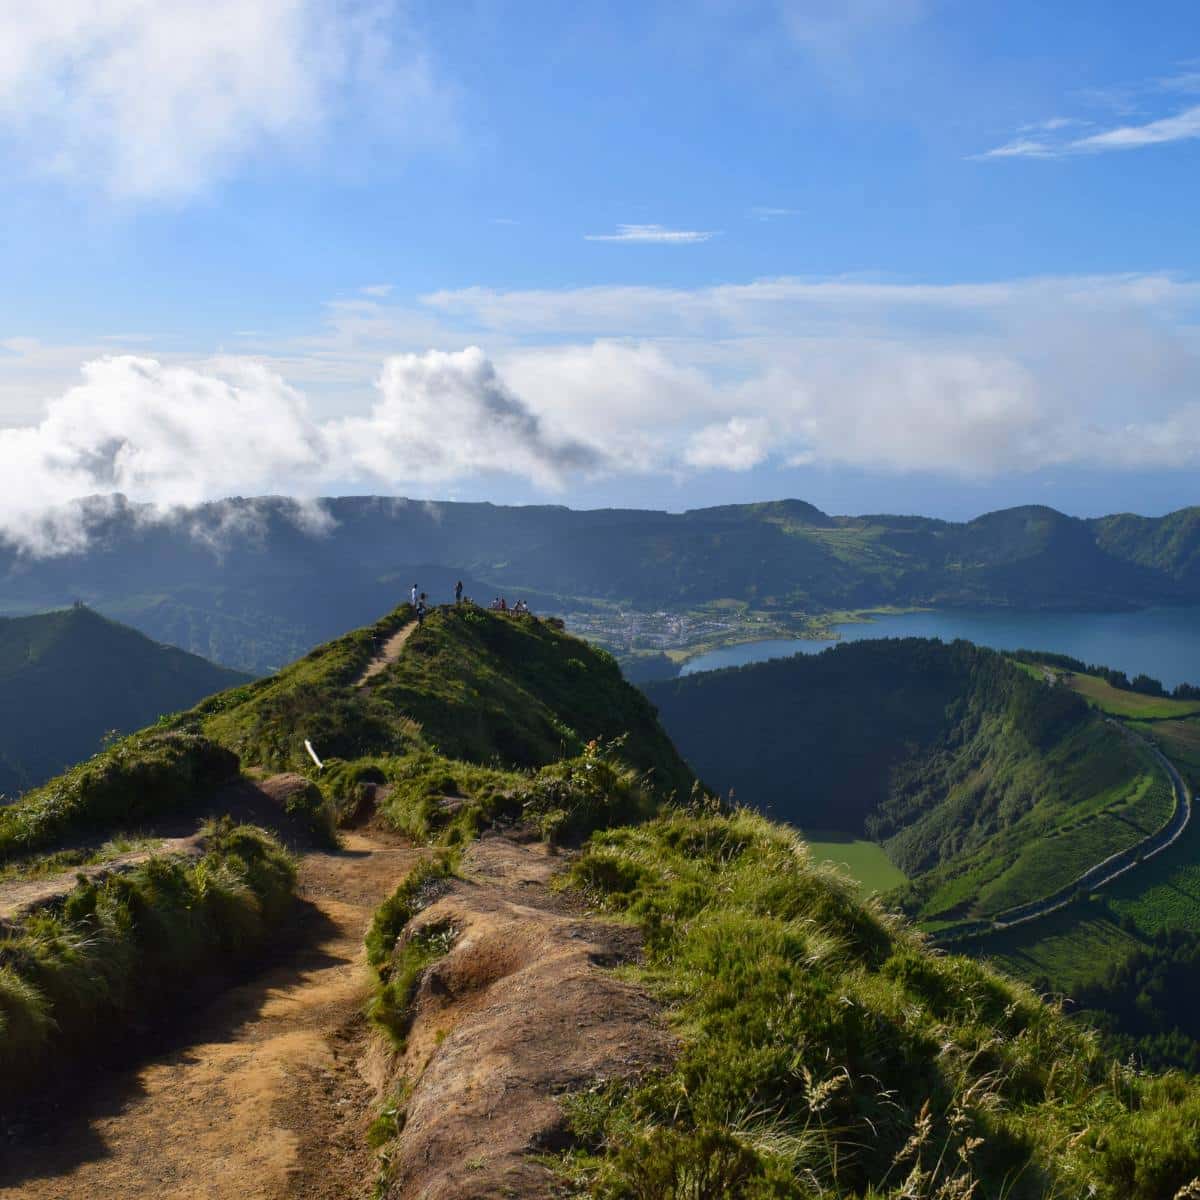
[254,582]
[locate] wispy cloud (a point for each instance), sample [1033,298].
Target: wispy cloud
[377,290]
[652,233]
[763,212]
[1065,136]
[1182,127]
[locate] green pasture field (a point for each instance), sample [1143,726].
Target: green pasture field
[1076,945]
[1132,705]
[1179,741]
[865,862]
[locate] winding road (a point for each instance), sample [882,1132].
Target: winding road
[1102,873]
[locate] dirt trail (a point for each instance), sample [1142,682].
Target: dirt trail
[387,655]
[265,1099]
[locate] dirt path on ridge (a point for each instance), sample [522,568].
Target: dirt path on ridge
[387,655]
[260,1098]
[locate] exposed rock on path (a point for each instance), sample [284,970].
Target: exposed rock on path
[522,1010]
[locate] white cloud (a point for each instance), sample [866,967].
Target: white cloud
[377,291]
[762,212]
[1182,127]
[174,436]
[652,233]
[737,445]
[970,380]
[152,99]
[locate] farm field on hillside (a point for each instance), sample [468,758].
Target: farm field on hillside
[1076,945]
[1179,741]
[866,862]
[1132,705]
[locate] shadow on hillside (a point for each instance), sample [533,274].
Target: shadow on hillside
[62,1127]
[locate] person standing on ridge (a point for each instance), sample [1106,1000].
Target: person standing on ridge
[414,595]
[458,592]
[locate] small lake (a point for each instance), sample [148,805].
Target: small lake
[1162,642]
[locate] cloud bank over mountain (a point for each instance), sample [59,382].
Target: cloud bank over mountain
[972,381]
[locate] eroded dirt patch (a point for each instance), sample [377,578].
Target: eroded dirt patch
[265,1099]
[523,1009]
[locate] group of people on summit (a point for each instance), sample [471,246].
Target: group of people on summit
[499,604]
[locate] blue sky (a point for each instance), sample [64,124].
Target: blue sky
[880,254]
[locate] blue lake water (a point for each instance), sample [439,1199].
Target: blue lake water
[1162,642]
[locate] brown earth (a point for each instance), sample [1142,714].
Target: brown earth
[387,655]
[265,1099]
[522,1010]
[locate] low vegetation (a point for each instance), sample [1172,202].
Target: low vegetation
[123,946]
[825,1051]
[146,775]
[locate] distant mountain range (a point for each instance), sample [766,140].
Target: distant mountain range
[255,582]
[67,678]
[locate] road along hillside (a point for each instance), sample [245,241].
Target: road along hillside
[1102,873]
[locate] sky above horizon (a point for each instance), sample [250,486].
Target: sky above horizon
[881,255]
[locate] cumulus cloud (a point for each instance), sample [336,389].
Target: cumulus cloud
[174,436]
[736,445]
[973,380]
[153,99]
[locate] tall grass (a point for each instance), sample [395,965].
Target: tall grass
[825,1051]
[117,947]
[139,777]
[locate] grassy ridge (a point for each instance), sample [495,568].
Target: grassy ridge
[824,1051]
[68,678]
[472,685]
[125,945]
[141,776]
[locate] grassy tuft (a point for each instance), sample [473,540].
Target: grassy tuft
[119,947]
[825,1051]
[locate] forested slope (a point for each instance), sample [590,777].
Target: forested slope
[69,677]
[986,786]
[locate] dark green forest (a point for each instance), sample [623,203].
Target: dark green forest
[987,786]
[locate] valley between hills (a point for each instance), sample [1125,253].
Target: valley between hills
[503,941]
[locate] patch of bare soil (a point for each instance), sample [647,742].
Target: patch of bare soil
[264,1100]
[522,1010]
[388,653]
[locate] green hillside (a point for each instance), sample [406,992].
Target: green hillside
[987,787]
[68,678]
[821,1047]
[482,687]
